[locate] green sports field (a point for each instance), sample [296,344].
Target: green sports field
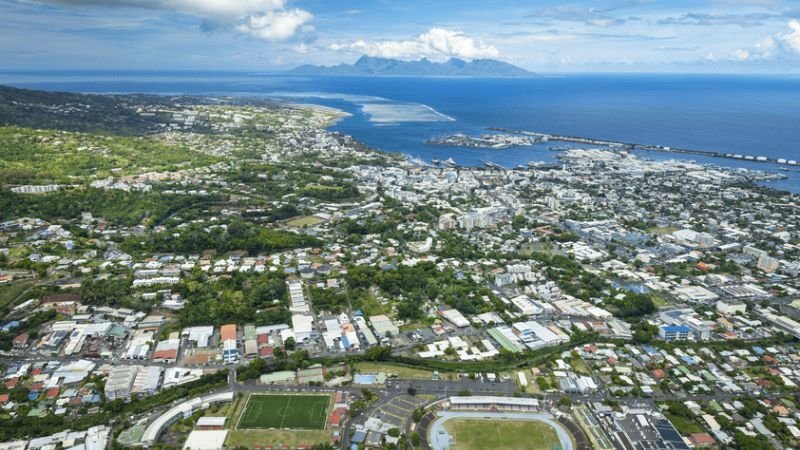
[306,412]
[477,434]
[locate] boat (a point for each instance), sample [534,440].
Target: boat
[418,161]
[492,165]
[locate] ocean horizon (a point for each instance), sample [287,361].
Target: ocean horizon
[753,115]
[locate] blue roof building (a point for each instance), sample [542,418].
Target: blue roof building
[674,332]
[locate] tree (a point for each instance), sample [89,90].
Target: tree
[378,353]
[542,383]
[252,370]
[368,395]
[19,394]
[644,333]
[289,343]
[412,391]
[565,401]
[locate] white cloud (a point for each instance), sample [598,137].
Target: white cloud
[741,54]
[792,38]
[265,19]
[436,43]
[454,43]
[781,45]
[275,26]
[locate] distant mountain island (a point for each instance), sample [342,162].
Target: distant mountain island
[454,67]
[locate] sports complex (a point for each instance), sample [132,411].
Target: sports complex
[285,411]
[476,423]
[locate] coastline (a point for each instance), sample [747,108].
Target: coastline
[335,114]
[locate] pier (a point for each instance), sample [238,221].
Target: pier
[657,148]
[487,141]
[492,165]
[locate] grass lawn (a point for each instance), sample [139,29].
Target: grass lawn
[579,366]
[275,438]
[475,434]
[662,230]
[532,388]
[300,222]
[235,410]
[683,425]
[371,306]
[10,292]
[285,411]
[400,371]
[323,187]
[219,409]
[660,301]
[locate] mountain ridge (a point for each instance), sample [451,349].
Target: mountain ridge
[453,67]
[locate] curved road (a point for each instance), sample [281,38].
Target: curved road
[439,439]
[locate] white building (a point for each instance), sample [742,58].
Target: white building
[768,264]
[730,309]
[302,326]
[525,306]
[455,317]
[199,336]
[120,381]
[383,325]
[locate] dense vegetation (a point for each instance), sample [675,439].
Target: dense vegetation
[412,286]
[237,235]
[117,207]
[100,113]
[276,181]
[91,113]
[238,299]
[44,156]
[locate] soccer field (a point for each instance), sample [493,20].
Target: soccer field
[476,434]
[307,412]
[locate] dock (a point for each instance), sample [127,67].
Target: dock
[630,146]
[492,165]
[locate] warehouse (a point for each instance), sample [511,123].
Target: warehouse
[228,332]
[147,380]
[383,326]
[167,351]
[199,336]
[250,348]
[454,317]
[119,382]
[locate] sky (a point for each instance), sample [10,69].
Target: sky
[726,36]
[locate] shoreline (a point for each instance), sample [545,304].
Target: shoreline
[337,114]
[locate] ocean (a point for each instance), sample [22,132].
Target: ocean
[748,114]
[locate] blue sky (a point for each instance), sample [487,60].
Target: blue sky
[738,36]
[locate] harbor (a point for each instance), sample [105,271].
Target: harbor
[487,141]
[630,146]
